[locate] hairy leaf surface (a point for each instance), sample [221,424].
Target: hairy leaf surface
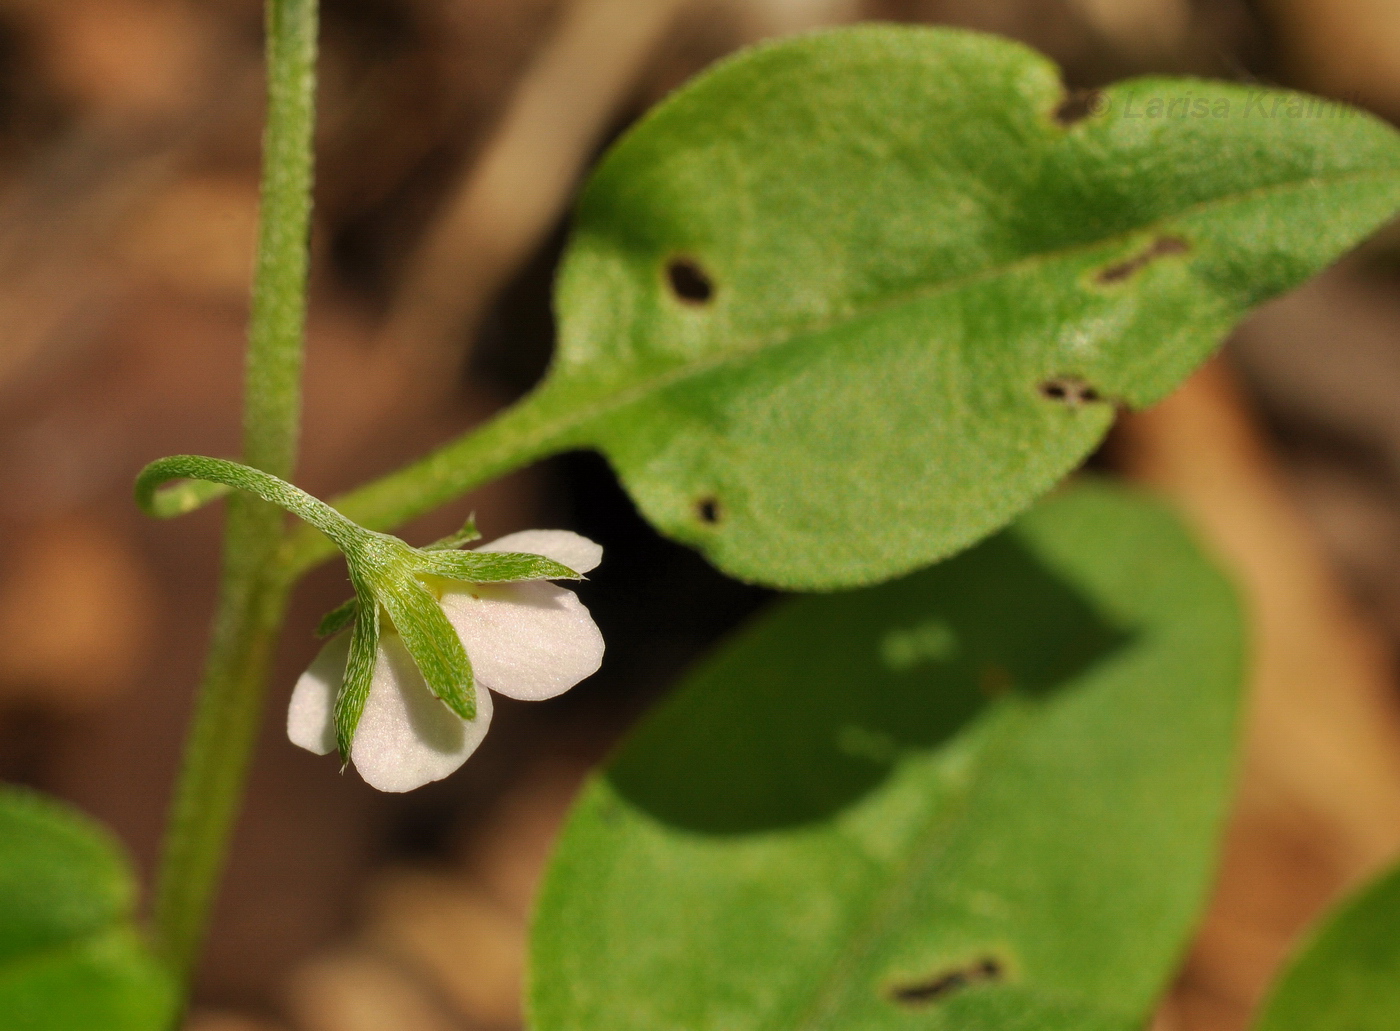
[850,302]
[986,795]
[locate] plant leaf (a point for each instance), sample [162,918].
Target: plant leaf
[1348,976]
[70,959]
[848,303]
[984,796]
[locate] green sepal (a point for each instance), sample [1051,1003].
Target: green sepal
[432,642]
[338,618]
[359,674]
[495,567]
[452,541]
[383,568]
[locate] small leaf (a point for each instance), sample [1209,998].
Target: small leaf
[338,618]
[493,567]
[985,796]
[436,649]
[452,541]
[70,959]
[1348,976]
[849,302]
[359,677]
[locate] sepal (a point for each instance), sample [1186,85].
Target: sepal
[432,642]
[359,677]
[338,618]
[452,541]
[495,567]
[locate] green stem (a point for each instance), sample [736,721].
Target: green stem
[272,403]
[253,592]
[196,471]
[218,750]
[526,432]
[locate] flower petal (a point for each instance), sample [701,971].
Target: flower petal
[564,546]
[529,641]
[407,738]
[310,717]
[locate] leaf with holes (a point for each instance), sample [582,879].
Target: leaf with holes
[984,796]
[70,959]
[1348,977]
[849,302]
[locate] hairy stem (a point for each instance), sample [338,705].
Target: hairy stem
[218,750]
[526,432]
[253,590]
[199,470]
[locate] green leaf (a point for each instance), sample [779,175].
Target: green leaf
[1348,976]
[848,303]
[70,959]
[984,796]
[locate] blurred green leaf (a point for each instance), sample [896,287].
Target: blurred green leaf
[1348,976]
[984,796]
[849,302]
[70,959]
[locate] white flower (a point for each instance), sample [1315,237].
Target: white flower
[530,640]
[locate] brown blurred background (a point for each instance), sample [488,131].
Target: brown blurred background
[453,134]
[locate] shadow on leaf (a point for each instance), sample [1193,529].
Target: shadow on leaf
[812,707]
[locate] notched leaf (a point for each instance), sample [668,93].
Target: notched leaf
[689,282]
[938,986]
[1122,271]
